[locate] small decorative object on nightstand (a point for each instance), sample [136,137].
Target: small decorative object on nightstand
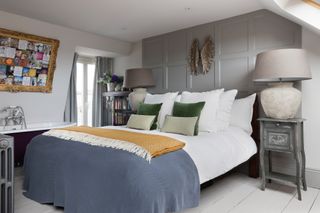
[283,136]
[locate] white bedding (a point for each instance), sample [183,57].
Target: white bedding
[214,153]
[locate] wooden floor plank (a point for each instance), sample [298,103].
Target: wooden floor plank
[316,205]
[303,206]
[220,189]
[231,199]
[273,199]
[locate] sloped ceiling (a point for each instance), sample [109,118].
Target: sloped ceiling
[133,20]
[129,20]
[296,10]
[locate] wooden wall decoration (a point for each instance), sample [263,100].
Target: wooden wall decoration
[194,57]
[27,62]
[207,54]
[200,61]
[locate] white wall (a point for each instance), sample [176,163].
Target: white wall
[40,107]
[133,60]
[311,100]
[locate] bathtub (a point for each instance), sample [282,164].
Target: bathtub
[22,137]
[34,127]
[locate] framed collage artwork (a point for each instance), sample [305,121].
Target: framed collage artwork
[27,62]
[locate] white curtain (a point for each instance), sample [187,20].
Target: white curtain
[70,112]
[99,114]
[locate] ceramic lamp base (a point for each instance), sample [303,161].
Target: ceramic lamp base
[281,101]
[136,97]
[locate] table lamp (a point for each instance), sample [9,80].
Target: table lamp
[138,79]
[281,68]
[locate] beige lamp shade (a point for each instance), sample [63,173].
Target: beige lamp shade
[138,78]
[282,65]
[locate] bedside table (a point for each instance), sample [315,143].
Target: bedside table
[283,136]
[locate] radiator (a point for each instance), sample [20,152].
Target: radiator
[7,174]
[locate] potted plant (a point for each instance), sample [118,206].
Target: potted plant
[110,81]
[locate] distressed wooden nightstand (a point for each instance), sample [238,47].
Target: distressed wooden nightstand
[284,136]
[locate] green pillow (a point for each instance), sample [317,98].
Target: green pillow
[150,109]
[188,110]
[179,125]
[143,122]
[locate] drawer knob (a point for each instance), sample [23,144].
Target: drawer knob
[277,124]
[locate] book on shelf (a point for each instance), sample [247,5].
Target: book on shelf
[120,108]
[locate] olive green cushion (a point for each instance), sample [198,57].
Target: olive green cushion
[188,110]
[140,121]
[179,125]
[150,109]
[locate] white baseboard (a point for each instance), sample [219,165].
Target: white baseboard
[312,175]
[285,164]
[313,178]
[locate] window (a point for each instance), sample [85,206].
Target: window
[85,80]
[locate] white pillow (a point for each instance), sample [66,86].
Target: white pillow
[241,113]
[209,111]
[178,98]
[224,110]
[167,101]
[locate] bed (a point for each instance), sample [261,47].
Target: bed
[83,178]
[214,154]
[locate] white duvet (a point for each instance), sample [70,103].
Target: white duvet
[214,153]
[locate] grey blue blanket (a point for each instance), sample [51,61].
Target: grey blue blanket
[91,179]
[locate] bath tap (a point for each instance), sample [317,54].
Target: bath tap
[16,116]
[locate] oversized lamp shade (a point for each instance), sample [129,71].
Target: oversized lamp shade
[138,78]
[282,65]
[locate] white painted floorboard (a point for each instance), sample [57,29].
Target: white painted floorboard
[235,193]
[308,198]
[316,205]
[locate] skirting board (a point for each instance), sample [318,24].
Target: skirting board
[286,164]
[312,175]
[313,178]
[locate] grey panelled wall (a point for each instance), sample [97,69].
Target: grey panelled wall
[237,42]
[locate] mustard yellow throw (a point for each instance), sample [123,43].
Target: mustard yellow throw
[144,145]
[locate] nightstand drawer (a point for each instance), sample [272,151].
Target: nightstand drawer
[278,136]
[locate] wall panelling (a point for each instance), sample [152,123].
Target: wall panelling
[237,42]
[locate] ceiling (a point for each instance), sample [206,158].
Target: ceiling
[298,11]
[129,20]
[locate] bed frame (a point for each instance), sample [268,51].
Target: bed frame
[254,160]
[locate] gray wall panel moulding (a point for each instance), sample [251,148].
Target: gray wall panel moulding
[237,42]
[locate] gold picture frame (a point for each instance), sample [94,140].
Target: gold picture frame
[27,62]
[313,3]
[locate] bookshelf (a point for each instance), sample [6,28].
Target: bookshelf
[117,106]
